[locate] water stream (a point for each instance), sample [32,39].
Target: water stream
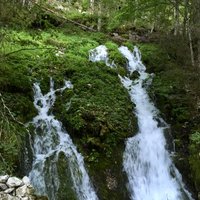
[150,171]
[49,141]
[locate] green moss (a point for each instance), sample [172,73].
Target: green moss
[115,55]
[154,57]
[107,174]
[170,90]
[66,188]
[195,158]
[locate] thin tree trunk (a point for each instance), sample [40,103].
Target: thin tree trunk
[185,20]
[176,16]
[198,48]
[196,21]
[191,46]
[92,6]
[99,21]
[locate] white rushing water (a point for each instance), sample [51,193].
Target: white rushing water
[150,171]
[49,140]
[100,54]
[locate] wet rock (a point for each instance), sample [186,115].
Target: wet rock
[14,182]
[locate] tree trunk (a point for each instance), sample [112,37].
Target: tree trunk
[191,46]
[176,16]
[198,59]
[92,6]
[196,30]
[185,19]
[99,21]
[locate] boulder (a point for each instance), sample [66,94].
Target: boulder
[21,191]
[14,182]
[26,180]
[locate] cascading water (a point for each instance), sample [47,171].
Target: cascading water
[100,54]
[49,141]
[150,171]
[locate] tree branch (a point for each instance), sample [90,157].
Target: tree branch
[64,18]
[10,113]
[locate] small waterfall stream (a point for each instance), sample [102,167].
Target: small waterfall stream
[150,171]
[49,141]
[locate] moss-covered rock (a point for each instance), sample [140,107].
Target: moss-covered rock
[194,158]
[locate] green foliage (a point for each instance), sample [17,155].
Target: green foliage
[195,138]
[170,89]
[11,134]
[195,157]
[143,14]
[154,57]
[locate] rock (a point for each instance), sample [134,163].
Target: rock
[14,182]
[25,198]
[9,190]
[21,191]
[12,188]
[3,186]
[26,180]
[30,190]
[4,196]
[111,182]
[3,179]
[32,198]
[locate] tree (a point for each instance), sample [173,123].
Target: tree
[196,28]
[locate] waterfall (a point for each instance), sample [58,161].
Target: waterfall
[100,54]
[50,139]
[150,171]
